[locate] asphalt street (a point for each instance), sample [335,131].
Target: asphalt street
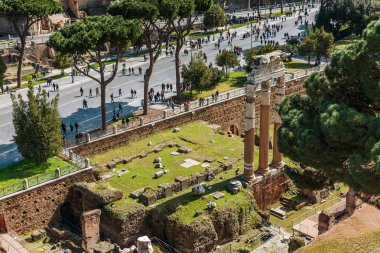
[70,101]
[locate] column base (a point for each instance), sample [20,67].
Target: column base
[264,172]
[249,175]
[277,165]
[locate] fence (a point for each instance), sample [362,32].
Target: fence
[163,245]
[323,207]
[177,110]
[77,163]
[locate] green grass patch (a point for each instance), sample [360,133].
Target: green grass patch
[296,65]
[235,80]
[344,43]
[14,174]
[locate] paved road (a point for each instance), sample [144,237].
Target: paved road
[70,103]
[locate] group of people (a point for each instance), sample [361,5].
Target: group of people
[64,128]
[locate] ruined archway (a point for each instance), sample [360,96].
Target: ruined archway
[234,130]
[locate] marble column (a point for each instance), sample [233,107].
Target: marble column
[280,94]
[249,139]
[264,128]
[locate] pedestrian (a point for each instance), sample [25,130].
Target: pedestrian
[76,125]
[171,87]
[97,91]
[81,91]
[135,92]
[133,71]
[111,97]
[140,70]
[71,127]
[114,111]
[90,93]
[84,103]
[120,108]
[57,87]
[7,89]
[119,92]
[54,86]
[48,94]
[63,126]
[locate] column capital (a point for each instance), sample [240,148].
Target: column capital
[250,91]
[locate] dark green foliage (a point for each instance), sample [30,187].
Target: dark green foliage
[23,14]
[336,128]
[62,61]
[226,59]
[248,55]
[335,14]
[3,69]
[196,73]
[317,43]
[214,17]
[37,126]
[88,40]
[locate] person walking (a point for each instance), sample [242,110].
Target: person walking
[76,125]
[85,104]
[112,98]
[120,107]
[120,92]
[81,91]
[140,70]
[90,93]
[97,91]
[71,127]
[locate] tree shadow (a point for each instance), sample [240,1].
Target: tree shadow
[90,118]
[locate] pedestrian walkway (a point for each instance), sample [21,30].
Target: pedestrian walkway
[11,245]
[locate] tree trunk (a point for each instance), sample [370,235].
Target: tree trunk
[308,59]
[178,65]
[282,6]
[20,60]
[148,74]
[103,106]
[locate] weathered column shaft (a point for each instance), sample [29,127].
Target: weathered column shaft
[249,139]
[280,94]
[264,127]
[90,222]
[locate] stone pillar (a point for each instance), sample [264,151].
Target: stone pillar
[325,222]
[280,94]
[26,184]
[90,229]
[88,137]
[249,139]
[141,121]
[264,128]
[351,202]
[57,172]
[87,163]
[114,129]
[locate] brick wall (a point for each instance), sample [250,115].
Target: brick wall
[40,206]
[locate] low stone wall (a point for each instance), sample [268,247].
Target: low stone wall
[225,113]
[40,206]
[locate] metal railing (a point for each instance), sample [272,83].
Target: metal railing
[323,207]
[177,110]
[77,163]
[163,245]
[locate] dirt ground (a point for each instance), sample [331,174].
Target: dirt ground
[359,233]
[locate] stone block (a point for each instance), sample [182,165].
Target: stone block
[167,188]
[136,194]
[184,183]
[184,150]
[103,247]
[142,155]
[217,195]
[127,160]
[111,165]
[209,160]
[73,247]
[59,234]
[144,245]
[325,222]
[38,235]
[148,197]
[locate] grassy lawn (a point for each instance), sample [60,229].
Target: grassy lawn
[14,174]
[296,65]
[342,44]
[235,80]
